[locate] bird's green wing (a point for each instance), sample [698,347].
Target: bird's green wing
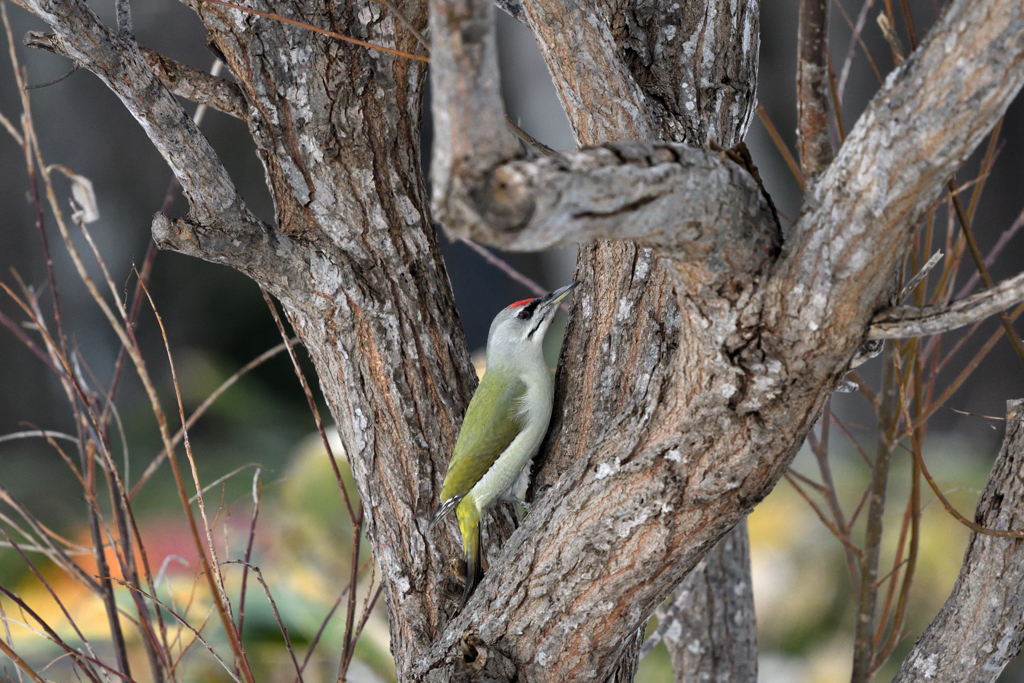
[491,423]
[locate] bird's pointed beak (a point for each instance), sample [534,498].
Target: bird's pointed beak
[551,300]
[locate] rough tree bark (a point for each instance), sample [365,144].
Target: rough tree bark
[700,348]
[765,342]
[981,626]
[711,632]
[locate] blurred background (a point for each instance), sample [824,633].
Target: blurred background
[217,322]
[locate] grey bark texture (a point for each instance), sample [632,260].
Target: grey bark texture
[981,626]
[711,633]
[910,321]
[700,348]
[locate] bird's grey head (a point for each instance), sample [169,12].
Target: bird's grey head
[520,328]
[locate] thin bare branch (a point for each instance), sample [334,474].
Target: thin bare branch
[181,620]
[863,644]
[979,260]
[993,253]
[855,39]
[821,453]
[787,156]
[80,659]
[277,614]
[312,407]
[912,321]
[211,570]
[397,11]
[349,639]
[49,589]
[214,201]
[205,405]
[22,664]
[257,487]
[812,88]
[38,433]
[531,141]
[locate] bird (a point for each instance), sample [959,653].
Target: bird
[504,424]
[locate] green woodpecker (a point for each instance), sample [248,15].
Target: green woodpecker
[504,424]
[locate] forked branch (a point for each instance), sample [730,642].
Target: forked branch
[120,64]
[927,118]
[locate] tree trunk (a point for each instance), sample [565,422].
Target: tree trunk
[980,629]
[710,631]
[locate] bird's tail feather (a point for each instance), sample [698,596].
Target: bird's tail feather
[469,525]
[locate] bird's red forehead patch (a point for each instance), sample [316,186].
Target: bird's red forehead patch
[520,303]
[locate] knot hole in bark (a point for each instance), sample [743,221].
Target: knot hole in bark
[474,651]
[505,199]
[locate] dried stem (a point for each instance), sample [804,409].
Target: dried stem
[205,405]
[812,88]
[22,664]
[312,406]
[798,175]
[979,260]
[864,628]
[820,448]
[348,642]
[211,571]
[256,498]
[855,40]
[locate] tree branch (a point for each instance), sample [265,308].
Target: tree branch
[981,626]
[468,110]
[685,72]
[930,114]
[707,433]
[597,90]
[812,88]
[79,35]
[197,85]
[125,30]
[181,79]
[912,321]
[692,205]
[696,62]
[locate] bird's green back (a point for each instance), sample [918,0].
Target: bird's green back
[492,421]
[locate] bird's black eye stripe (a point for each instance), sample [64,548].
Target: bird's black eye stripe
[527,311]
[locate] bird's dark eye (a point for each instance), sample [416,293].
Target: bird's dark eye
[525,314]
